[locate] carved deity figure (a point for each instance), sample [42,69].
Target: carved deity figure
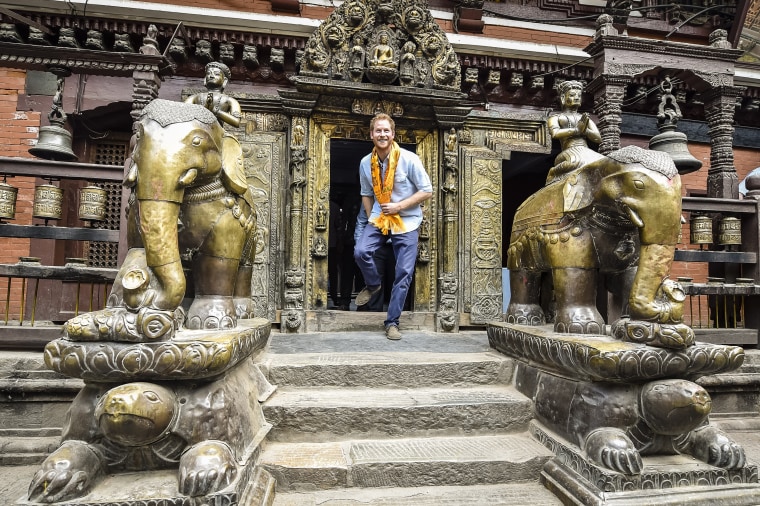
[572,129]
[382,53]
[226,108]
[406,65]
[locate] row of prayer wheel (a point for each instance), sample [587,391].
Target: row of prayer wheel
[48,200]
[729,230]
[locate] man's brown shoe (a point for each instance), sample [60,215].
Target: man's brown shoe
[392,333]
[363,297]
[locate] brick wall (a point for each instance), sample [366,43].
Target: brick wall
[18,131]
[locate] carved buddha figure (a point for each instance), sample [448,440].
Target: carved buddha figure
[382,53]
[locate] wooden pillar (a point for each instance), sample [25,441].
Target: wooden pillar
[720,104]
[609,91]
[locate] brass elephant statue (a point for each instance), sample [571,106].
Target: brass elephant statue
[191,210]
[618,216]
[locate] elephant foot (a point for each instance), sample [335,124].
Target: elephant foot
[675,336]
[211,313]
[244,307]
[206,467]
[579,320]
[525,314]
[120,324]
[712,446]
[611,448]
[68,473]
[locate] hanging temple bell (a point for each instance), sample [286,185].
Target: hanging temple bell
[54,142]
[668,140]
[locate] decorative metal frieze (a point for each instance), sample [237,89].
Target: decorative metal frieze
[383,42]
[481,233]
[600,358]
[194,355]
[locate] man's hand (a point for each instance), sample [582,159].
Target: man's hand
[391,208]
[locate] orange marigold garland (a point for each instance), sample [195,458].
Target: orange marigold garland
[383,187]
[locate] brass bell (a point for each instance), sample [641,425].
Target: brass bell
[92,203]
[54,141]
[730,231]
[8,196]
[675,144]
[701,229]
[48,201]
[668,140]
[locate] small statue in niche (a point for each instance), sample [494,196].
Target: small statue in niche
[406,66]
[321,221]
[333,37]
[356,67]
[314,58]
[356,14]
[298,134]
[446,72]
[382,53]
[413,19]
[226,108]
[451,140]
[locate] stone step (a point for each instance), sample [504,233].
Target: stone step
[25,449]
[518,494]
[324,414]
[411,462]
[400,369]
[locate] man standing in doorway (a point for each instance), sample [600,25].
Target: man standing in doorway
[393,184]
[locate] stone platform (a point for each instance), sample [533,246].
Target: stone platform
[625,421]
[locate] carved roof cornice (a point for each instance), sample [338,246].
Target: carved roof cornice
[86,61]
[662,47]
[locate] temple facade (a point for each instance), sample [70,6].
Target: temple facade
[470,86]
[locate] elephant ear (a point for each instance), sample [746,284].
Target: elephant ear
[578,189]
[233,174]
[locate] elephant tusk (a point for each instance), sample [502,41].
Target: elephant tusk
[634,216]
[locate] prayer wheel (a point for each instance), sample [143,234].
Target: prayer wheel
[92,203]
[701,229]
[730,231]
[8,196]
[47,202]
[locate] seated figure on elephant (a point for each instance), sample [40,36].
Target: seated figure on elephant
[190,209]
[618,215]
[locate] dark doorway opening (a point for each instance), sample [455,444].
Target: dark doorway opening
[522,175]
[344,277]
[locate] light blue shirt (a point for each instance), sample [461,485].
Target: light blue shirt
[410,177]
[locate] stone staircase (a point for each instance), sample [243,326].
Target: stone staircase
[430,419]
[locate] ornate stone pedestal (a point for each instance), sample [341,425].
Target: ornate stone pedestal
[626,422]
[173,423]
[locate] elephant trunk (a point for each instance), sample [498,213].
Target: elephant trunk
[654,265]
[158,227]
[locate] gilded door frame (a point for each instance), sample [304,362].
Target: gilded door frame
[323,128]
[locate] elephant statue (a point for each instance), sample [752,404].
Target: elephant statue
[190,210]
[618,216]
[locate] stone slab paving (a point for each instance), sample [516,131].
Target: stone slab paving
[519,494]
[472,460]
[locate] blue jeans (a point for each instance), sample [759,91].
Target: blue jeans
[405,249]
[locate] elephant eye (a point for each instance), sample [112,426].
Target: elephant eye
[151,396]
[197,140]
[639,184]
